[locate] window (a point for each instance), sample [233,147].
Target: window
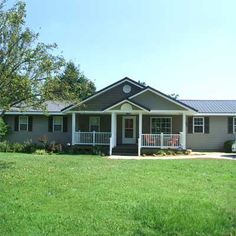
[234,125]
[161,125]
[94,123]
[57,123]
[198,124]
[23,123]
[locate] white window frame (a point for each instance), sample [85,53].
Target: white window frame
[234,125]
[53,123]
[161,117]
[19,123]
[203,125]
[99,123]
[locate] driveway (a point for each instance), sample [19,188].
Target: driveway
[194,155]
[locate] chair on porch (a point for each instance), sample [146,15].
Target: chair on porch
[149,140]
[174,141]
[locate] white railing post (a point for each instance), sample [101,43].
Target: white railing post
[162,140]
[110,147]
[94,138]
[181,139]
[139,146]
[73,129]
[184,131]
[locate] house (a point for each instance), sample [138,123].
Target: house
[133,116]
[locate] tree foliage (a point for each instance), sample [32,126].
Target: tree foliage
[71,85]
[25,63]
[4,128]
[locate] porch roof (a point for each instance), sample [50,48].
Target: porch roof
[123,101]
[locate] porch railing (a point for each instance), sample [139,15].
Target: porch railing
[161,140]
[92,138]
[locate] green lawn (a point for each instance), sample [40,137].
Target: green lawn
[89,195]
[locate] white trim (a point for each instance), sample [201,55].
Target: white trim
[129,140]
[99,123]
[234,125]
[158,118]
[103,91]
[203,125]
[215,114]
[161,95]
[53,123]
[27,124]
[125,101]
[114,129]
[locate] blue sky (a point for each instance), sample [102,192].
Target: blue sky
[186,47]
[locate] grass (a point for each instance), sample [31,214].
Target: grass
[89,195]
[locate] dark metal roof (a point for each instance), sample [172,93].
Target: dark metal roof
[212,106]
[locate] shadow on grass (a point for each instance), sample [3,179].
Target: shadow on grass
[6,165]
[182,218]
[230,156]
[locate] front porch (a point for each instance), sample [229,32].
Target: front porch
[137,129]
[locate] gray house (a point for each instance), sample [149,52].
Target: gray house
[129,115]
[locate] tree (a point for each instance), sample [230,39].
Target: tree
[71,85]
[4,129]
[174,96]
[25,63]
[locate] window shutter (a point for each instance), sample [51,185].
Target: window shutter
[30,124]
[230,125]
[207,125]
[190,125]
[64,123]
[16,125]
[50,123]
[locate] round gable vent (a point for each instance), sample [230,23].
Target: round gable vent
[126,88]
[126,107]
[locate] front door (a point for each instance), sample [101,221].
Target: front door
[129,130]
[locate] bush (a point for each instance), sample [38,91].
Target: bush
[4,146]
[228,145]
[4,129]
[89,150]
[41,152]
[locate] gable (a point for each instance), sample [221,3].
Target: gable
[109,97]
[154,101]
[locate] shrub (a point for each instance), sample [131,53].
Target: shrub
[91,150]
[228,145]
[54,147]
[4,129]
[41,152]
[4,146]
[16,147]
[29,147]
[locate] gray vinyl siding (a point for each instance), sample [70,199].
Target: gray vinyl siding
[213,141]
[108,98]
[155,102]
[40,128]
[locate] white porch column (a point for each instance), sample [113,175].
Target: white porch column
[184,130]
[140,131]
[73,128]
[113,128]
